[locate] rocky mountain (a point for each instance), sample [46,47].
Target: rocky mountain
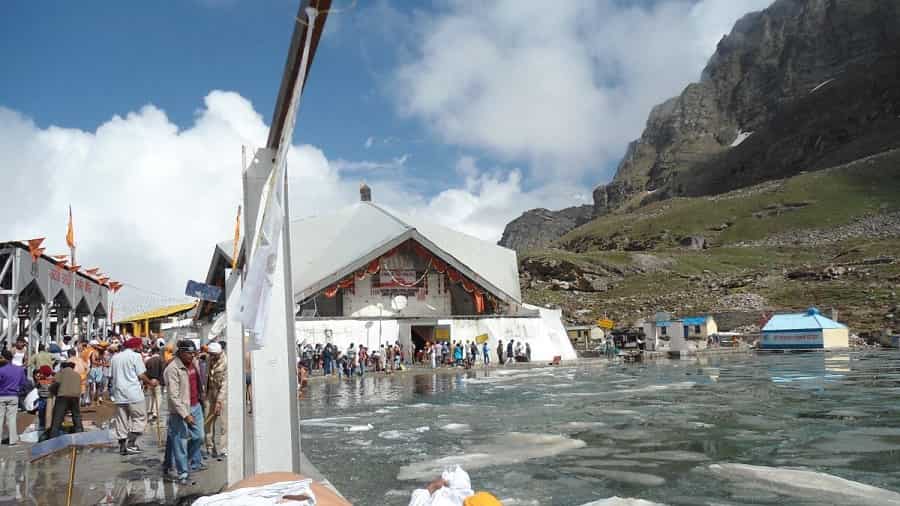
[802,85]
[538,228]
[771,184]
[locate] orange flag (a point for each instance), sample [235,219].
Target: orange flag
[70,232]
[237,239]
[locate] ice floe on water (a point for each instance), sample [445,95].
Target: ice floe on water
[622,501]
[805,484]
[406,435]
[457,428]
[510,448]
[621,392]
[669,455]
[327,422]
[359,428]
[649,480]
[580,426]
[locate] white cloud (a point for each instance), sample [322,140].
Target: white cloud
[563,87]
[150,200]
[369,142]
[488,200]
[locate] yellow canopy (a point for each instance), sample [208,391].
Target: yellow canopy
[161,312]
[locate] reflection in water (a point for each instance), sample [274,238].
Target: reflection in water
[575,434]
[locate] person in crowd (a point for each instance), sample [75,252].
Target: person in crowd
[352,360]
[82,369]
[500,351]
[128,376]
[341,364]
[398,356]
[326,360]
[509,351]
[389,358]
[486,353]
[41,358]
[105,364]
[20,352]
[67,393]
[66,344]
[520,352]
[434,352]
[12,379]
[363,358]
[184,392]
[214,426]
[95,373]
[43,378]
[528,352]
[203,363]
[316,357]
[155,367]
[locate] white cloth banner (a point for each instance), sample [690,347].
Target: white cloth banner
[257,291]
[263,496]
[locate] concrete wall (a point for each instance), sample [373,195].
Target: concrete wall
[836,338]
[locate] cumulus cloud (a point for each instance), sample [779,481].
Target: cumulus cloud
[150,200]
[563,87]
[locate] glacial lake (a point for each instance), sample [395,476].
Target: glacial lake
[730,429]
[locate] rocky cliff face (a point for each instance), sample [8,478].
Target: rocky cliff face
[803,85]
[765,82]
[537,228]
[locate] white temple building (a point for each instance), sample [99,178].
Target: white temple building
[370,276]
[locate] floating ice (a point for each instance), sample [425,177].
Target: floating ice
[510,448]
[741,137]
[650,480]
[580,426]
[672,455]
[411,434]
[327,422]
[359,428]
[457,428]
[806,484]
[820,85]
[622,501]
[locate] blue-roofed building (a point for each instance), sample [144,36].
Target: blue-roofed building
[803,331]
[688,333]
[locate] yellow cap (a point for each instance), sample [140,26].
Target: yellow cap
[482,499]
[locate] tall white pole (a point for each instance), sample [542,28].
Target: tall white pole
[234,406]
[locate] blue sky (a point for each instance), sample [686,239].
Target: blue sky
[464,112]
[77,64]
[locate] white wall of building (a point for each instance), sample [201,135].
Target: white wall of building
[545,334]
[363,302]
[341,333]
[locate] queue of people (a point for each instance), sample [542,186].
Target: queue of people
[357,360]
[133,375]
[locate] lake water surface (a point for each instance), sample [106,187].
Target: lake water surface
[670,432]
